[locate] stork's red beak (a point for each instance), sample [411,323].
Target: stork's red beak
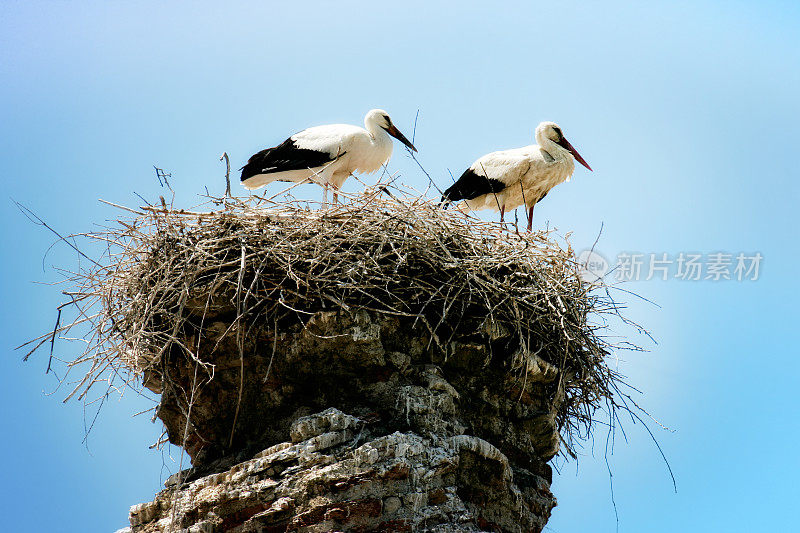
[565,143]
[394,132]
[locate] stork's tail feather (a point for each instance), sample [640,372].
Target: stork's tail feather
[450,195]
[252,168]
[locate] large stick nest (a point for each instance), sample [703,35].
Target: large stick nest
[281,262]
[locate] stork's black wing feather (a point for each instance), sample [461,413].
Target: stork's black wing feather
[285,156]
[470,185]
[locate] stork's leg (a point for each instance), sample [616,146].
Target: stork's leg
[335,194]
[325,195]
[530,219]
[502,213]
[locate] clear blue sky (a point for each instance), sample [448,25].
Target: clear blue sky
[687,111]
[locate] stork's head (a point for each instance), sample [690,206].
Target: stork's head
[378,118]
[552,132]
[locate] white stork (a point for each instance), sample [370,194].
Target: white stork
[327,155]
[508,179]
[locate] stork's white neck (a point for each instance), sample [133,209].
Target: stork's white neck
[556,151]
[377,133]
[379,151]
[562,160]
